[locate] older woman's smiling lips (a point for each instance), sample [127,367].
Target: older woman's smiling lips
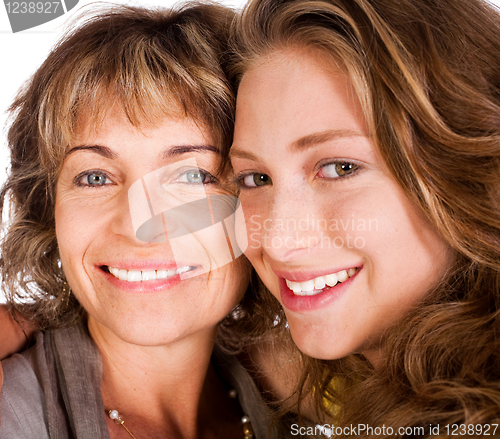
[148,279]
[147,275]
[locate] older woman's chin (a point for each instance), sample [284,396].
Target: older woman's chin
[194,306]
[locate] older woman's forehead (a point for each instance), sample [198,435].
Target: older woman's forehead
[90,120]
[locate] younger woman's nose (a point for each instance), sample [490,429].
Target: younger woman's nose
[291,227]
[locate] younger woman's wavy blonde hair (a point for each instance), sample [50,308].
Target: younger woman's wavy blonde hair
[427,73]
[152,63]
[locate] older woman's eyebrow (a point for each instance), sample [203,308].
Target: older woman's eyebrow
[325,136]
[170,151]
[98,149]
[177,150]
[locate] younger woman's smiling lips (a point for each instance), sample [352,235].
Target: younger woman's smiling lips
[303,291]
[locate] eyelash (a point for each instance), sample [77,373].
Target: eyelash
[356,168]
[212,179]
[82,175]
[240,178]
[79,177]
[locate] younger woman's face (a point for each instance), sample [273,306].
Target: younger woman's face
[330,232]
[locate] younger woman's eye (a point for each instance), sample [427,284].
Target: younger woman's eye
[92,179]
[337,169]
[196,176]
[255,180]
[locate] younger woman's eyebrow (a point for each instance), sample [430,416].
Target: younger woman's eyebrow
[235,152]
[305,142]
[322,137]
[177,150]
[98,149]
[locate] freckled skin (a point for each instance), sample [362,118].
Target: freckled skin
[293,95]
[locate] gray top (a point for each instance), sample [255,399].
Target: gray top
[52,390]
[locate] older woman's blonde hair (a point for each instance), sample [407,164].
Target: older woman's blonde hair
[427,73]
[151,63]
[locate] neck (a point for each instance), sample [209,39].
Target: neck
[374,356]
[164,388]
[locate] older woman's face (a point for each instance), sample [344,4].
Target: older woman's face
[150,290]
[330,232]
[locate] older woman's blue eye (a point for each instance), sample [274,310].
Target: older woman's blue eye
[339,169]
[95,179]
[255,180]
[196,176]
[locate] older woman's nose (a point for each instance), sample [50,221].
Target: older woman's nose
[150,221]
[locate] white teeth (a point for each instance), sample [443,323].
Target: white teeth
[134,276]
[331,280]
[316,285]
[319,283]
[149,275]
[163,274]
[342,276]
[183,270]
[294,286]
[307,285]
[122,274]
[140,276]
